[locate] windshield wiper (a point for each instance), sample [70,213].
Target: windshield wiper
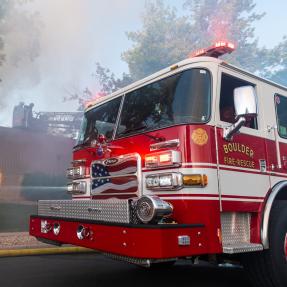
[158,139]
[132,130]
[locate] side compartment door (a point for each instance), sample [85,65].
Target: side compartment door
[243,178]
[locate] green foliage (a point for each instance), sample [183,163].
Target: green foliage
[168,36]
[231,20]
[164,39]
[278,72]
[107,80]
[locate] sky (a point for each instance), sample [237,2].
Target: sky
[75,34]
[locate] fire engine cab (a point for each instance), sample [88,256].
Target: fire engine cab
[188,163]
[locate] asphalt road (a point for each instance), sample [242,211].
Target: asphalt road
[95,270]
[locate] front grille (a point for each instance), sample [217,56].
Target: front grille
[117,175]
[112,210]
[133,213]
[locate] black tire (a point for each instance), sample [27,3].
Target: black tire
[269,267]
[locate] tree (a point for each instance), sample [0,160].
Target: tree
[278,72]
[107,80]
[164,39]
[228,20]
[107,83]
[168,36]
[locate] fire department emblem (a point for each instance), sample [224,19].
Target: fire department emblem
[199,136]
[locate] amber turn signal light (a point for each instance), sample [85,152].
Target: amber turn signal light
[195,179]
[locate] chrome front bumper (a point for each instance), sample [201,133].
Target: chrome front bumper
[112,210]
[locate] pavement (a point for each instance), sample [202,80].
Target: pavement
[96,270]
[76,266]
[22,244]
[19,240]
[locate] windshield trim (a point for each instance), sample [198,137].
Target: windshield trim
[123,95]
[156,129]
[82,144]
[119,136]
[118,117]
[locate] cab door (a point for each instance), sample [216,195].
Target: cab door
[243,178]
[276,133]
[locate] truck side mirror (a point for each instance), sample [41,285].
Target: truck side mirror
[245,103]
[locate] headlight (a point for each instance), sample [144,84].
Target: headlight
[79,187]
[152,209]
[175,181]
[171,180]
[76,172]
[70,173]
[152,181]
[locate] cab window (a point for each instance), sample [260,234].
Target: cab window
[226,105]
[281,111]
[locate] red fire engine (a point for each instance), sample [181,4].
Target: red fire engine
[190,162]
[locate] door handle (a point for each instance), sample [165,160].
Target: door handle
[278,154]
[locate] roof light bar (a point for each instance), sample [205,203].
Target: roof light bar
[218,49]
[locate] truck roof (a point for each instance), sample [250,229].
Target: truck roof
[183,63]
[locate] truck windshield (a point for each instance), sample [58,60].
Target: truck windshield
[181,98]
[100,120]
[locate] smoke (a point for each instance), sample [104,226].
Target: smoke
[20,33]
[53,45]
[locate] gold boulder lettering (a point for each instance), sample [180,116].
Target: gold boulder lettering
[241,149]
[237,147]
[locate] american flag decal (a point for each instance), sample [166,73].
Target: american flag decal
[118,178]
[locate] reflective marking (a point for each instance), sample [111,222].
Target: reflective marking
[199,163]
[242,199]
[239,168]
[190,197]
[210,198]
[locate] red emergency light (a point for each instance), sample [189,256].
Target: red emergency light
[218,49]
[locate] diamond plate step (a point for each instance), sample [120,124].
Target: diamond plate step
[242,248]
[112,210]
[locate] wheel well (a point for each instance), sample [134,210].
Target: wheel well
[279,192]
[282,194]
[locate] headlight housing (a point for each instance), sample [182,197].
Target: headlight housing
[79,187]
[163,159]
[175,181]
[162,181]
[76,172]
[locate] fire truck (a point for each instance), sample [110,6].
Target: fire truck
[188,163]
